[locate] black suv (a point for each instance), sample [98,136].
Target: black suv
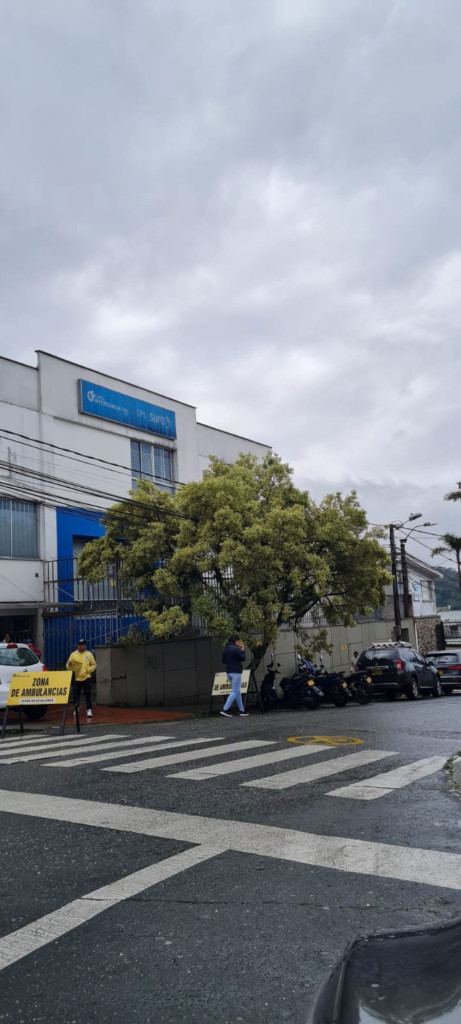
[396,668]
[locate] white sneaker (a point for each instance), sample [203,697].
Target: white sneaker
[226,714]
[89,713]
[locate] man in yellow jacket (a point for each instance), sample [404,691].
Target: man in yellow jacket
[82,664]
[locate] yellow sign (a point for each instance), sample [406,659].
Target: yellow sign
[344,647]
[40,688]
[330,741]
[222,686]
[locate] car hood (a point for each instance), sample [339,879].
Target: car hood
[395,978]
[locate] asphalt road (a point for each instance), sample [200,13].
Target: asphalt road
[172,895]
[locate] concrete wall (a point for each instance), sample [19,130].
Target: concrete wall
[18,385]
[158,674]
[21,582]
[181,671]
[347,639]
[225,446]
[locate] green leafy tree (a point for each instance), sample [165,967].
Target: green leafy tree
[452,546]
[244,550]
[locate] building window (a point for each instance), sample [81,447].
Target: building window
[18,529]
[150,462]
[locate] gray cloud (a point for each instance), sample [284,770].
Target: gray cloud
[255,207]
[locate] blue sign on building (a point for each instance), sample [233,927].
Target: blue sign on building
[111,405]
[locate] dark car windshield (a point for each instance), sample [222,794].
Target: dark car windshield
[444,659]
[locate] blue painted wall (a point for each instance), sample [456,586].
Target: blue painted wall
[70,523]
[74,522]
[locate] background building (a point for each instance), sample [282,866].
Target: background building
[72,442]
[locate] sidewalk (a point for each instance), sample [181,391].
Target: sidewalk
[102,716]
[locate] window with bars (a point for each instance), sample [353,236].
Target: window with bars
[150,462]
[18,529]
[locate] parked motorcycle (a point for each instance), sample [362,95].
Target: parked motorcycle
[360,687]
[299,691]
[333,687]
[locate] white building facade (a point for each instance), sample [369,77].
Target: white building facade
[72,442]
[422,579]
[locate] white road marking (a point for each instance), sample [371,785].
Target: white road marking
[113,754]
[193,755]
[308,773]
[387,782]
[89,745]
[30,746]
[357,856]
[16,741]
[21,943]
[243,764]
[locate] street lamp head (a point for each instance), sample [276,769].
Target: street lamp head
[414,515]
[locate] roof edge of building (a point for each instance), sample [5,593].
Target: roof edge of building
[230,434]
[120,380]
[17,362]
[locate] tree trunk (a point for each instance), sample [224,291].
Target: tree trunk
[458,562]
[258,657]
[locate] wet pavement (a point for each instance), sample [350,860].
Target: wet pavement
[188,891]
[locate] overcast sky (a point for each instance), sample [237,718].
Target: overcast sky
[252,205]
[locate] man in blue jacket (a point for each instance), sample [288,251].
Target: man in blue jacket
[233,656]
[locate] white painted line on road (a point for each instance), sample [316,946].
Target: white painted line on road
[33,738]
[30,747]
[243,764]
[21,943]
[387,782]
[90,745]
[113,754]
[308,773]
[193,755]
[357,856]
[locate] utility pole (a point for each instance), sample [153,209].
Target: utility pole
[406,588]
[395,586]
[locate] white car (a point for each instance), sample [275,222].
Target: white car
[19,658]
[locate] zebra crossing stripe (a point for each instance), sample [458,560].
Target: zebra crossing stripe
[30,746]
[387,782]
[112,755]
[243,764]
[308,773]
[338,853]
[190,755]
[44,754]
[15,741]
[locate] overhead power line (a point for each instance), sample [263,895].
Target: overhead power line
[72,454]
[71,485]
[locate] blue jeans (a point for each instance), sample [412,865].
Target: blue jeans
[235,678]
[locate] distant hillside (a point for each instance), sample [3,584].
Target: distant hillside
[446,590]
